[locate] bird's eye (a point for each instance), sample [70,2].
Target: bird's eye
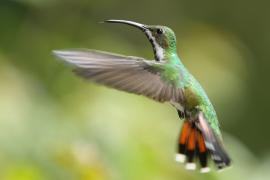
[160,31]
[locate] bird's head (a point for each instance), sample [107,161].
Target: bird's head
[161,38]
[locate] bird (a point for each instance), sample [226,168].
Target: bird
[163,79]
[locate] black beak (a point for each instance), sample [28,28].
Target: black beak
[131,23]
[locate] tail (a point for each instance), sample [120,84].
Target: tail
[197,141]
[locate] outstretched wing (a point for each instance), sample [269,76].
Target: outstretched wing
[126,73]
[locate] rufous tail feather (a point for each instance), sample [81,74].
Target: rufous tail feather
[197,142]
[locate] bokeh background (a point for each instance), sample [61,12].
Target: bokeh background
[56,126]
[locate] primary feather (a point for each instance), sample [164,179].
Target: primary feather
[126,73]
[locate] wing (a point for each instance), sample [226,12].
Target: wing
[126,73]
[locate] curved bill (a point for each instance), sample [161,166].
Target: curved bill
[131,23]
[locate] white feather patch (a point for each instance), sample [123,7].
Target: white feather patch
[190,166]
[159,50]
[205,170]
[180,158]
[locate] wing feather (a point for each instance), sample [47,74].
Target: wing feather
[127,73]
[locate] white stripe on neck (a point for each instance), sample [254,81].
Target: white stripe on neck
[159,51]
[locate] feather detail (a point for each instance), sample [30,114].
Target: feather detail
[126,73]
[197,141]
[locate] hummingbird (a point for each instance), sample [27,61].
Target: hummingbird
[164,79]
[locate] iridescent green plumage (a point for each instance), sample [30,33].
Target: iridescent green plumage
[194,94]
[165,80]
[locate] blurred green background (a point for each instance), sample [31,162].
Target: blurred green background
[56,126]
